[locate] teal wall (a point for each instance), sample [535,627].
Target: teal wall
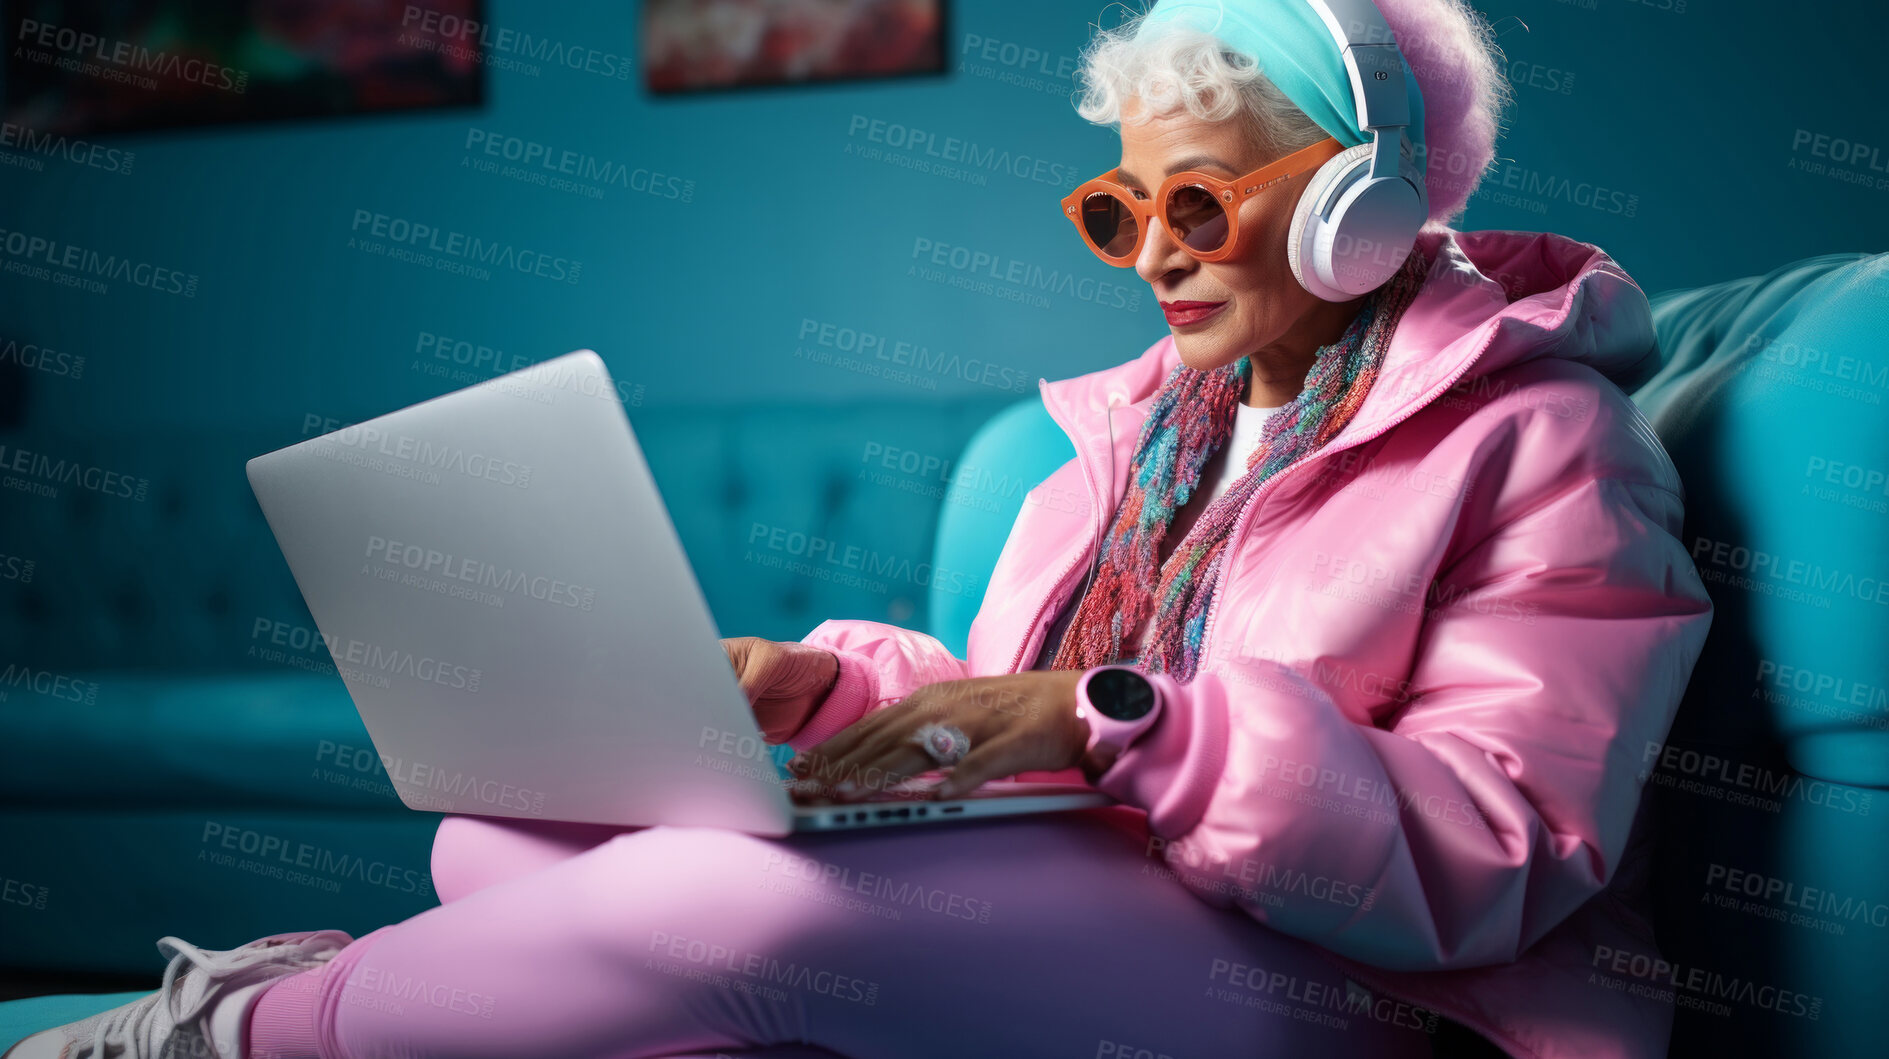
[1693,106]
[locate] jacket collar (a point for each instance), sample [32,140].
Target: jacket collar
[1491,299]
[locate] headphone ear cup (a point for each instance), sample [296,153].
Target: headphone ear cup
[1334,170]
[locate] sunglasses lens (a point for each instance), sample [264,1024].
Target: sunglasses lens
[1197,218]
[1109,223]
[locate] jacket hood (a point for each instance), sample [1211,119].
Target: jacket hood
[1491,300]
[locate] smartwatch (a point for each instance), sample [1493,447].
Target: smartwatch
[1119,703]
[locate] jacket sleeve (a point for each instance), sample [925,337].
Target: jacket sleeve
[879,663]
[1499,797]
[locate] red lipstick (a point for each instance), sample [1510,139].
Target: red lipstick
[1183,313]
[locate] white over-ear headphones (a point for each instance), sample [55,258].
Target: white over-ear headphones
[1359,215]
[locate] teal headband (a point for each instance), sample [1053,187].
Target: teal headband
[1295,51]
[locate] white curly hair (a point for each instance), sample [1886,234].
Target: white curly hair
[1451,50]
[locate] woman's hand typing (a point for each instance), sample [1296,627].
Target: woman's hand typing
[1017,722]
[784,681]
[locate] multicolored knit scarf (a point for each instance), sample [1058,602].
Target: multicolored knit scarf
[1190,419]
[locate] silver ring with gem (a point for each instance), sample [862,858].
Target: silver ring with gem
[946,743]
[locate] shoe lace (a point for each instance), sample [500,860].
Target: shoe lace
[165,1012]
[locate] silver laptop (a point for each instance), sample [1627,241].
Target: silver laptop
[506,599]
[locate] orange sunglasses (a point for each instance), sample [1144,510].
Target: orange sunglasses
[1201,212]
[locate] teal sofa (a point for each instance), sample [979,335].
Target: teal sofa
[1771,400]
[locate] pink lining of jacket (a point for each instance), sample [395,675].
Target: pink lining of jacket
[1437,655]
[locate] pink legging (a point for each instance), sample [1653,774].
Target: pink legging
[1030,936]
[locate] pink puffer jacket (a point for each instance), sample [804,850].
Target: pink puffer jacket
[1437,652]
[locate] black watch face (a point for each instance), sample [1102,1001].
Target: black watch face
[1121,694]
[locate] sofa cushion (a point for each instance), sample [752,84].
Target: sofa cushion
[1004,462]
[93,891]
[287,739]
[22,1018]
[1774,404]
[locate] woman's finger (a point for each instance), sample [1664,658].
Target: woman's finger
[864,743]
[889,770]
[885,757]
[1008,743]
[988,761]
[845,741]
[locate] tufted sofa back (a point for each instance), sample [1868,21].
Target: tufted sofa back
[121,551]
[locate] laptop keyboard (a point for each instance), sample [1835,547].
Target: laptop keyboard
[917,786]
[921,786]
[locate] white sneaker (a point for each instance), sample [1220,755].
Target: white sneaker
[200,1011]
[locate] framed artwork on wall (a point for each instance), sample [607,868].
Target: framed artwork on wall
[706,45]
[82,67]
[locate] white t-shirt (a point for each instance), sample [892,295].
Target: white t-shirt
[1222,469]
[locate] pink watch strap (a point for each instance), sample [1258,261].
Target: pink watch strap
[1119,734]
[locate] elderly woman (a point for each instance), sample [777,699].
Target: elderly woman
[1381,597]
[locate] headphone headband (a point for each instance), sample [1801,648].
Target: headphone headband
[1376,67]
[1359,214]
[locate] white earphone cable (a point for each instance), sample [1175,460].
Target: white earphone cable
[1108,490]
